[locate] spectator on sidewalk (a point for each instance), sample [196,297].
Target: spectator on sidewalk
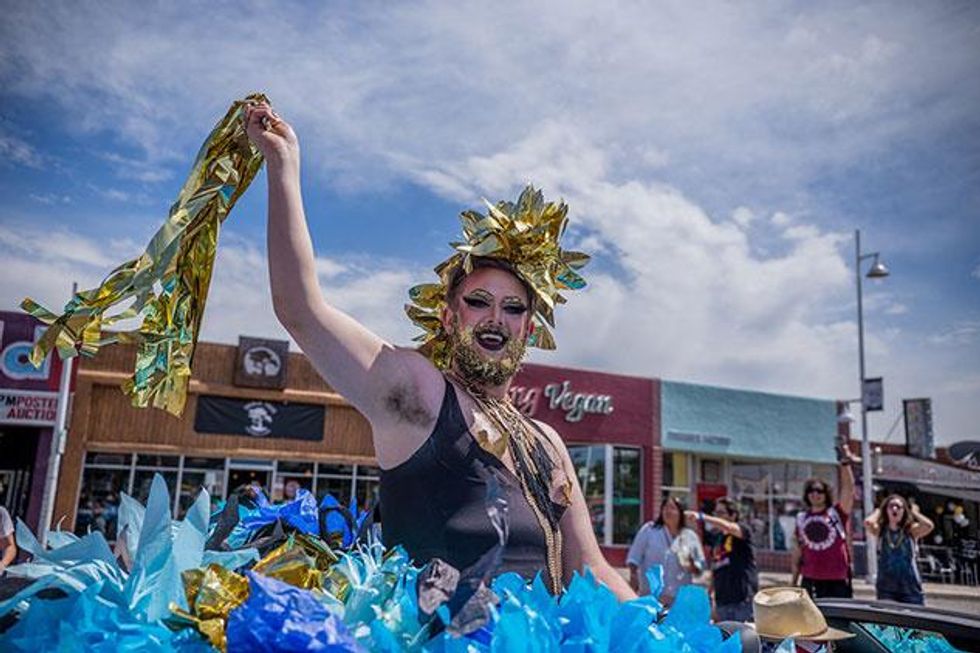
[666,542]
[820,554]
[734,579]
[898,527]
[8,547]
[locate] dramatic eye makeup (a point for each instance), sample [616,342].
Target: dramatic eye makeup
[478,299]
[513,306]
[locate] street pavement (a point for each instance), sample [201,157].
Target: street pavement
[948,596]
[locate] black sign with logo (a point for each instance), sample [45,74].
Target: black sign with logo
[259,418]
[261,363]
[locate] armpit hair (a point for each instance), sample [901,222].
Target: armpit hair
[404,402]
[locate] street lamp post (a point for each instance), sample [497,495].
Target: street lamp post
[877,271]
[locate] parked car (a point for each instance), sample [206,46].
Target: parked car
[880,626]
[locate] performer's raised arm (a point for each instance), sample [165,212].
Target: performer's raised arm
[356,362]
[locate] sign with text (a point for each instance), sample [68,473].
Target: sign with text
[259,418]
[919,437]
[587,406]
[28,407]
[896,467]
[18,333]
[261,363]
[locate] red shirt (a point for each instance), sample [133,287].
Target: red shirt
[822,538]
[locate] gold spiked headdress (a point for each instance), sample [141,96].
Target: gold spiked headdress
[525,235]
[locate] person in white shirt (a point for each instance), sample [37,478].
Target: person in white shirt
[666,542]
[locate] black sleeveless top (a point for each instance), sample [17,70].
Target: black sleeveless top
[433,504]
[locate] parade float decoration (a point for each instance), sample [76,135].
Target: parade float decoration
[256,576]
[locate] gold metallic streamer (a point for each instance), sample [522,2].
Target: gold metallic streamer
[168,284]
[212,593]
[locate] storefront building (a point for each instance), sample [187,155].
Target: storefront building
[610,424]
[28,405]
[947,493]
[257,413]
[756,447]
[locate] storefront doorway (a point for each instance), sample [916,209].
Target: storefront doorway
[19,447]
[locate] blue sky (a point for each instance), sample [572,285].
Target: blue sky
[716,157]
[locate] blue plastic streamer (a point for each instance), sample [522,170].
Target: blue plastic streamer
[280,617]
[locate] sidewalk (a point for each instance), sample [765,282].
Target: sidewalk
[866,591]
[862,589]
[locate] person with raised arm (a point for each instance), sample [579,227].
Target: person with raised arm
[734,577]
[444,430]
[898,526]
[820,557]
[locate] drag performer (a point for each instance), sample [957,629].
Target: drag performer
[443,427]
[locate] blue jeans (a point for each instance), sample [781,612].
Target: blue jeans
[734,611]
[913,597]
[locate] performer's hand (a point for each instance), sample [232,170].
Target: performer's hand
[271,134]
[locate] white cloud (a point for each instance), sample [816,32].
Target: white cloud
[743,216]
[780,93]
[19,151]
[139,170]
[780,219]
[976,272]
[43,266]
[641,119]
[801,232]
[959,334]
[50,198]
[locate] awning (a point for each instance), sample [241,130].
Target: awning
[967,494]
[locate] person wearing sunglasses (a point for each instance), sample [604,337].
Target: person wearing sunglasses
[734,577]
[898,526]
[820,557]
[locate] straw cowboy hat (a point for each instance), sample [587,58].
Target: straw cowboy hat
[782,612]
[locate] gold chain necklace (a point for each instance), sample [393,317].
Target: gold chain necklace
[515,433]
[894,542]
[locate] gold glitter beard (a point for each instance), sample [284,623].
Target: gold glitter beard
[473,366]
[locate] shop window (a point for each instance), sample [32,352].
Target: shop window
[676,477]
[143,479]
[290,473]
[368,481]
[616,500]
[98,502]
[153,460]
[770,495]
[368,471]
[190,462]
[590,465]
[626,494]
[339,487]
[198,474]
[711,471]
[333,469]
[367,493]
[193,481]
[108,459]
